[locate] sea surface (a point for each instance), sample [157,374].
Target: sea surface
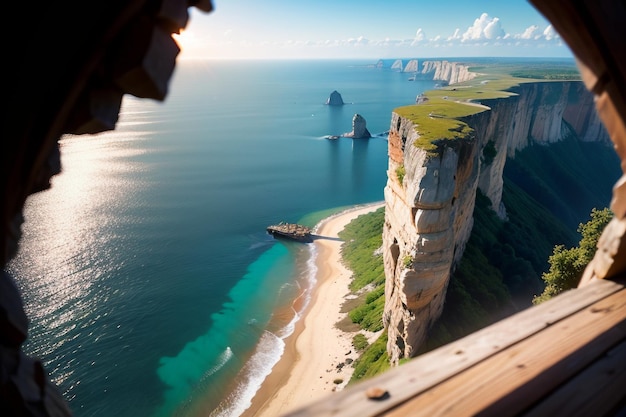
[151,284]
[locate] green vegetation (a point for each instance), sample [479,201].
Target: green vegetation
[362,240]
[359,341]
[400,173]
[554,73]
[542,69]
[568,265]
[369,315]
[373,361]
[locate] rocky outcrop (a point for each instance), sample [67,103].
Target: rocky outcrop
[430,195]
[450,72]
[335,99]
[359,128]
[411,66]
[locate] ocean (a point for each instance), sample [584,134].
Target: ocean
[150,282]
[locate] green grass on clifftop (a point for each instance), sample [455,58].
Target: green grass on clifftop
[437,119]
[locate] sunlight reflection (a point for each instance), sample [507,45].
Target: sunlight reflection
[66,256]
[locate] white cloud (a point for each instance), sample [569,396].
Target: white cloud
[549,33]
[529,32]
[419,35]
[360,41]
[455,35]
[486,35]
[483,28]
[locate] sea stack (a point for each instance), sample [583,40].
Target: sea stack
[335,99]
[359,129]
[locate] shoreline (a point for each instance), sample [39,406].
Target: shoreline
[293,381]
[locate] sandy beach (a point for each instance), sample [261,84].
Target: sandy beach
[317,354]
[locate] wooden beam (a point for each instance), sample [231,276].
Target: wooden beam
[604,381]
[517,377]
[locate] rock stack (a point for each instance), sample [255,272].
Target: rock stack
[359,128]
[335,99]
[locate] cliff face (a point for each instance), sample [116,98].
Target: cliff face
[430,194]
[451,72]
[540,113]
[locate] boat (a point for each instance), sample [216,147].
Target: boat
[292,231]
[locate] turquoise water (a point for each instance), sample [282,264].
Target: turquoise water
[151,284]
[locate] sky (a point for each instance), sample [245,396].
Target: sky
[279,29]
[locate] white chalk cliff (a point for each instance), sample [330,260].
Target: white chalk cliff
[450,72]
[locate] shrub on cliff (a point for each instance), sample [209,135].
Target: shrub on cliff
[400,173]
[568,265]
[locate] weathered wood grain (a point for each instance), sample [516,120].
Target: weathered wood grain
[519,376]
[604,381]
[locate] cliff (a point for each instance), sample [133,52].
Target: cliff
[450,72]
[431,187]
[445,71]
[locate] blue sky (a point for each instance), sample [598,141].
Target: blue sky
[271,29]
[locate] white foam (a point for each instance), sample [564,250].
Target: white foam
[224,357]
[267,353]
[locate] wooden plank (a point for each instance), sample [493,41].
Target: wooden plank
[422,373]
[597,391]
[514,379]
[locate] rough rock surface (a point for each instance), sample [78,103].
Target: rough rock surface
[450,72]
[335,99]
[359,128]
[429,206]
